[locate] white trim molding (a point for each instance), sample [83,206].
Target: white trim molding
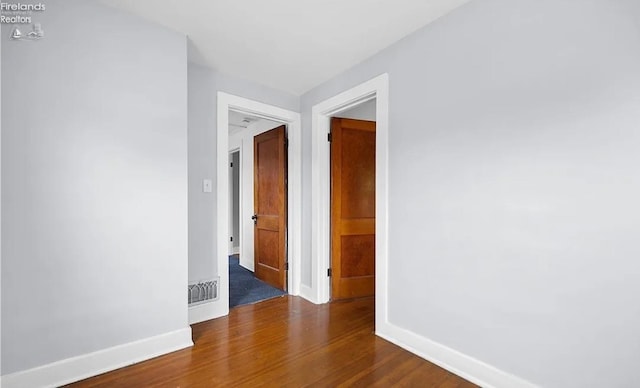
[455,362]
[228,102]
[208,310]
[92,364]
[321,114]
[307,293]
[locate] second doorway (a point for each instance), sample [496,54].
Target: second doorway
[258,251]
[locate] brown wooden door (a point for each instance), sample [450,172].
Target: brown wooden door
[270,206]
[353,208]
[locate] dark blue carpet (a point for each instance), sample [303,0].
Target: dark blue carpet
[244,288]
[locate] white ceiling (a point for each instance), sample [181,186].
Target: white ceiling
[291,45]
[240,121]
[237,119]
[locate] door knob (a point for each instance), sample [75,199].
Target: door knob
[254,218]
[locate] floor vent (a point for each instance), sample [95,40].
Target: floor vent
[203,291]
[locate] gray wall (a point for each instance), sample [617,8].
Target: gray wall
[513,167]
[204,84]
[94,185]
[202,140]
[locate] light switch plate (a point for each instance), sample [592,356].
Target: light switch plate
[207,185]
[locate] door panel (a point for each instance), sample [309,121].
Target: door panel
[353,208]
[270,206]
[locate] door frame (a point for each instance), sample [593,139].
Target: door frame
[321,114]
[228,102]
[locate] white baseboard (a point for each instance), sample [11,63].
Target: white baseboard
[247,266]
[92,364]
[206,311]
[461,364]
[307,293]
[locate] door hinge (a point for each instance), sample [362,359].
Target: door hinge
[231,164]
[286,266]
[231,238]
[329,137]
[329,272]
[286,143]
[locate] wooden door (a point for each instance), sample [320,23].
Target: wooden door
[270,206]
[353,208]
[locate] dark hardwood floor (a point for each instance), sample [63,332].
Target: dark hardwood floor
[286,342]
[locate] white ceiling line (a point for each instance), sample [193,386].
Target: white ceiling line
[289,45]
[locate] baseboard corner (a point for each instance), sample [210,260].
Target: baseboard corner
[81,367]
[307,293]
[465,366]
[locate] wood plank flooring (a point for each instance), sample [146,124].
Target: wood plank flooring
[286,342]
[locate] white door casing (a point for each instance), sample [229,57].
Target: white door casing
[225,103]
[321,114]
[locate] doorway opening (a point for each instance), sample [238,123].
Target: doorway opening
[320,291]
[226,103]
[257,208]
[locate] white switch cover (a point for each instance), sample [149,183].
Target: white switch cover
[207,185]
